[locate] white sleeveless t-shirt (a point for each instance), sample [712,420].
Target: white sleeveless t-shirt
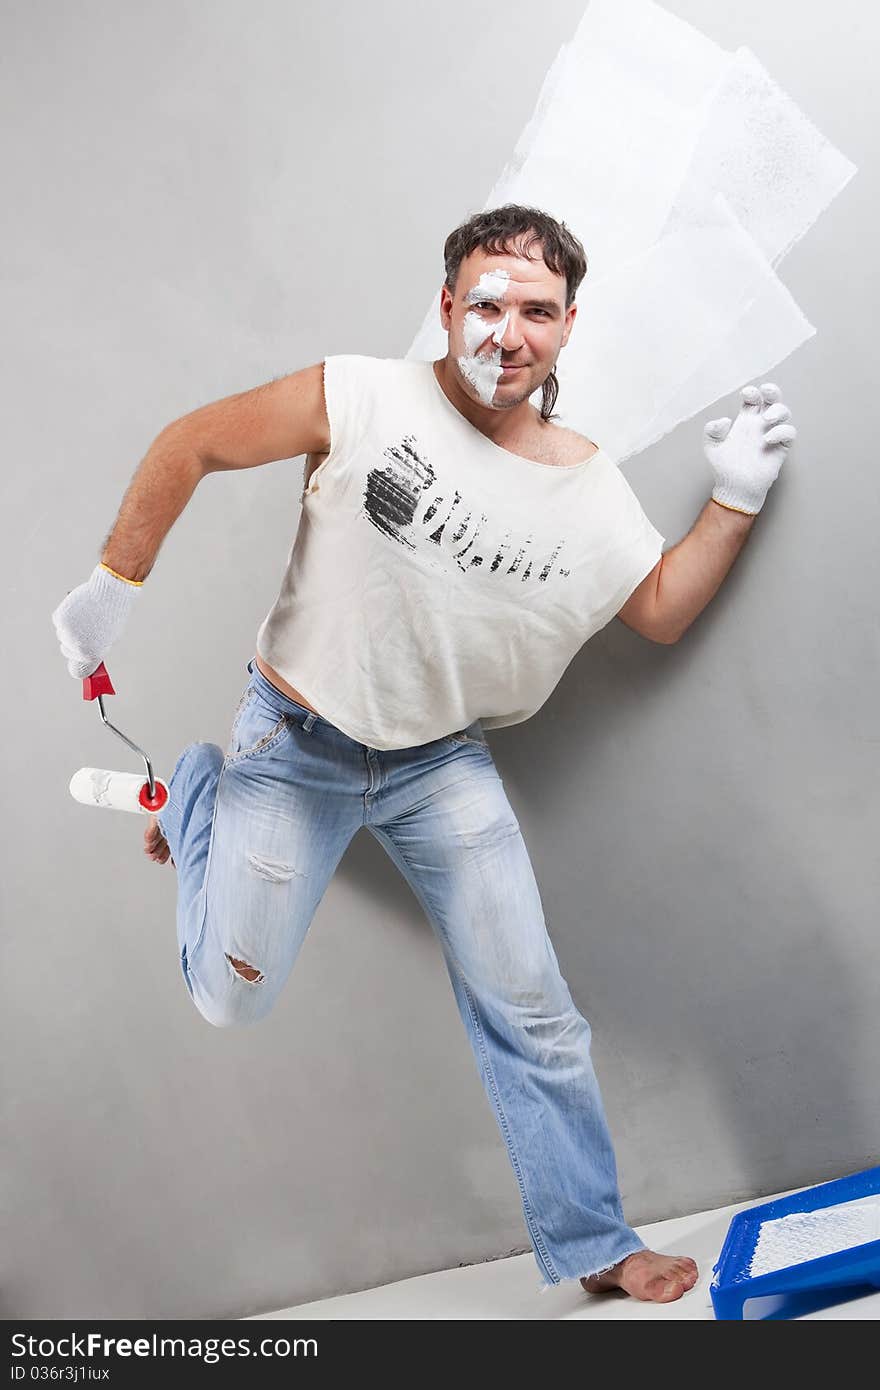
[435,577]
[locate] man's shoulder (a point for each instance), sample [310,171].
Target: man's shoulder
[565,445]
[373,376]
[381,370]
[388,363]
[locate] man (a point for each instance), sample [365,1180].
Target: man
[455,549]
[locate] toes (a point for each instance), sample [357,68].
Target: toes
[663,1288]
[679,1279]
[775,414]
[674,1286]
[770,391]
[752,395]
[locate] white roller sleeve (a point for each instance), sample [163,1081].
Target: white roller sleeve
[117,791]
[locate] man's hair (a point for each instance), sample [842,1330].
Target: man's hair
[513,230]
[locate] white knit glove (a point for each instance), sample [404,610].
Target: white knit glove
[89,620]
[747,455]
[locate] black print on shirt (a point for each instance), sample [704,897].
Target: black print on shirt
[448,531]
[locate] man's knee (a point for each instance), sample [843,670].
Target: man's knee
[247,1000]
[227,1013]
[198,762]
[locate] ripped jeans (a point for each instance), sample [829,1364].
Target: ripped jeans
[256,836]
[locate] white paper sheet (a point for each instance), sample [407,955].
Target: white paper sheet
[687,173]
[694,316]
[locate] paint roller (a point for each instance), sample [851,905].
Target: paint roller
[117,791]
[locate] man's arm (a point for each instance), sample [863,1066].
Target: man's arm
[165,480]
[746,457]
[279,420]
[688,575]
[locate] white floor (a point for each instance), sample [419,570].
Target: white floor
[508,1288]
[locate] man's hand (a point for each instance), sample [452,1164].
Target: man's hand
[747,455]
[91,617]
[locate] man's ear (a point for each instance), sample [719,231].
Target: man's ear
[445,306]
[570,315]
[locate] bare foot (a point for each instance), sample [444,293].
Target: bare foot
[648,1276]
[155,844]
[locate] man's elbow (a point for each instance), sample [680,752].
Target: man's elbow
[663,630]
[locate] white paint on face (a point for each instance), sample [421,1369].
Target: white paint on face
[498,335]
[475,330]
[492,284]
[483,371]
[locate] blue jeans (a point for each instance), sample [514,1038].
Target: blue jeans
[256,836]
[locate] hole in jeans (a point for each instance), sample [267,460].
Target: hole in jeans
[275,870]
[246,971]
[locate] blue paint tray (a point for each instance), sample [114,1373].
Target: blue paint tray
[793,1287]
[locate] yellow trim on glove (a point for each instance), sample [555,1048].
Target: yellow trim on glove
[137,582]
[741,510]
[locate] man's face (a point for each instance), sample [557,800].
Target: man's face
[507,322]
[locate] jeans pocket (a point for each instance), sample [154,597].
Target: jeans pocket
[256,727]
[243,703]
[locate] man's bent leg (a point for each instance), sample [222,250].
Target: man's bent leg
[187,822]
[255,843]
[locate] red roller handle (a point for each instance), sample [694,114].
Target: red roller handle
[98,683]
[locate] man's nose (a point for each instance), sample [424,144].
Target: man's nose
[507,334]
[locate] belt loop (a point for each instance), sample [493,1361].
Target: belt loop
[309,721]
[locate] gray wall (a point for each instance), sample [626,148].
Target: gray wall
[200,198]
